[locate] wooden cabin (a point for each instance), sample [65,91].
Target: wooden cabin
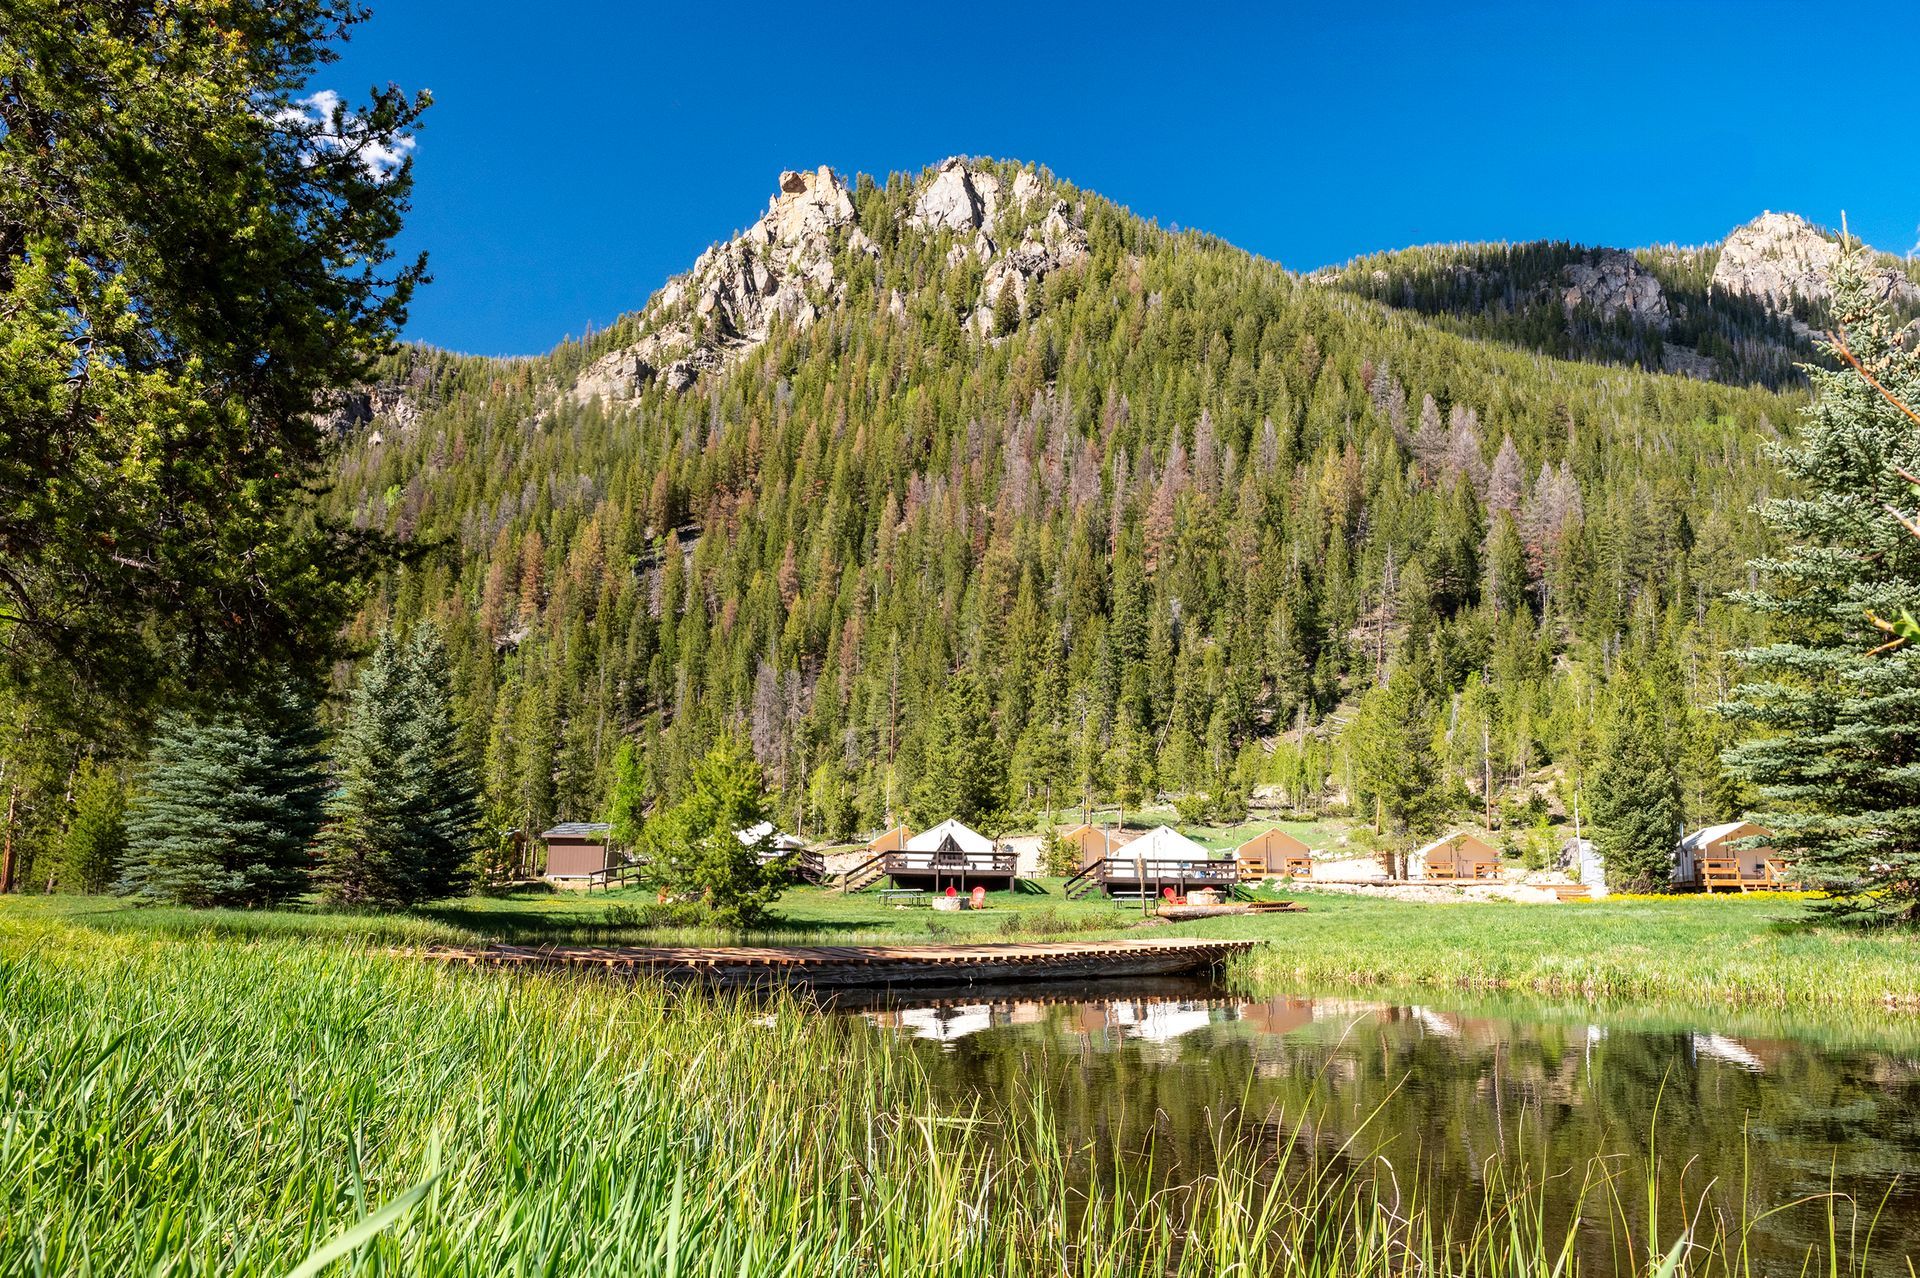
[1710,860]
[1456,858]
[1092,843]
[577,850]
[1274,854]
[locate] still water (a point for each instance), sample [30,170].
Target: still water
[1739,1113]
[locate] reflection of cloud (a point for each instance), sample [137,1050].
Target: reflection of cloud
[330,126]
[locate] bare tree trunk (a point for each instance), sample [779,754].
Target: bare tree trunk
[6,852]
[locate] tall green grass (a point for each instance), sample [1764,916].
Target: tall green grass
[200,1104]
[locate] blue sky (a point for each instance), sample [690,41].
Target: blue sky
[579,154]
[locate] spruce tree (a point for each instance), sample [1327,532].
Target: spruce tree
[693,848]
[964,772]
[1834,745]
[404,823]
[95,842]
[229,807]
[1395,756]
[1636,798]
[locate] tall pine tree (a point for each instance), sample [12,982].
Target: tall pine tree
[1636,798]
[229,807]
[1834,750]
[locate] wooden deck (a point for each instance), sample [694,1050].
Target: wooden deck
[739,966]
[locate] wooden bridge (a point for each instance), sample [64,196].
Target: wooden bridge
[739,966]
[1149,876]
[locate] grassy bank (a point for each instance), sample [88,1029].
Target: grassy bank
[202,1103]
[1731,951]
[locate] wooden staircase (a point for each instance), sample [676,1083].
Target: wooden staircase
[863,875]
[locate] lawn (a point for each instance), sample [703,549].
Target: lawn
[1734,951]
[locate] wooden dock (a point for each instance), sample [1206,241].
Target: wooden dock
[739,966]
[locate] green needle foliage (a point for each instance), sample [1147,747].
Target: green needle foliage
[191,258]
[404,824]
[1834,727]
[1636,797]
[694,847]
[229,807]
[96,839]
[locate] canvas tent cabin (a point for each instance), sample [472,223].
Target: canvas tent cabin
[1274,854]
[950,855]
[893,840]
[1164,858]
[1458,856]
[1092,843]
[801,862]
[577,851]
[1711,859]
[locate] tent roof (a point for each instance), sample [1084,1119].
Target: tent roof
[755,833]
[1165,841]
[1458,836]
[1291,841]
[963,838]
[1714,833]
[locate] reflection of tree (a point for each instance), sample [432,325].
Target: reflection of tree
[1459,1096]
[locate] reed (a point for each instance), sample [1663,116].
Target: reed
[198,1103]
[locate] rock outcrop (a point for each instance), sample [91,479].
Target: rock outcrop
[384,407]
[1612,283]
[1780,259]
[781,267]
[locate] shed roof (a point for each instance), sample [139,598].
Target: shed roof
[963,838]
[577,830]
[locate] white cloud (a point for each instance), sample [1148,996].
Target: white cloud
[334,128]
[1915,250]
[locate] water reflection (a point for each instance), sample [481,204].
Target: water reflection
[1753,1112]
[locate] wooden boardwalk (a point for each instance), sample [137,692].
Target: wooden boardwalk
[737,966]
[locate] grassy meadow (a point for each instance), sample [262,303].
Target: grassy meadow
[286,1098]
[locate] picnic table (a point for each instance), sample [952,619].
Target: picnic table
[902,896]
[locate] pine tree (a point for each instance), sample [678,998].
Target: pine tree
[1636,797]
[632,791]
[964,772]
[1834,750]
[229,807]
[1395,758]
[694,848]
[95,842]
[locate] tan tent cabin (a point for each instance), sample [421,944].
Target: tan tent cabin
[1710,860]
[576,850]
[893,840]
[1092,843]
[1274,854]
[1460,856]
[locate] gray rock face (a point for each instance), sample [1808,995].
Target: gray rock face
[1613,282]
[958,199]
[385,407]
[1057,242]
[781,267]
[1779,258]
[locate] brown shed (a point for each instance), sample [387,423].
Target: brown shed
[576,849]
[1274,853]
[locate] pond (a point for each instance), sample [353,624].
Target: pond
[1739,1114]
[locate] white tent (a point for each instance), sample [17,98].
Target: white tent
[780,842]
[1712,842]
[1164,843]
[962,839]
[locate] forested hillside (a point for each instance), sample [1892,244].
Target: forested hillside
[1744,312]
[1158,519]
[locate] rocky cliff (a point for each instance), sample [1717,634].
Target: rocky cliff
[783,269]
[1786,263]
